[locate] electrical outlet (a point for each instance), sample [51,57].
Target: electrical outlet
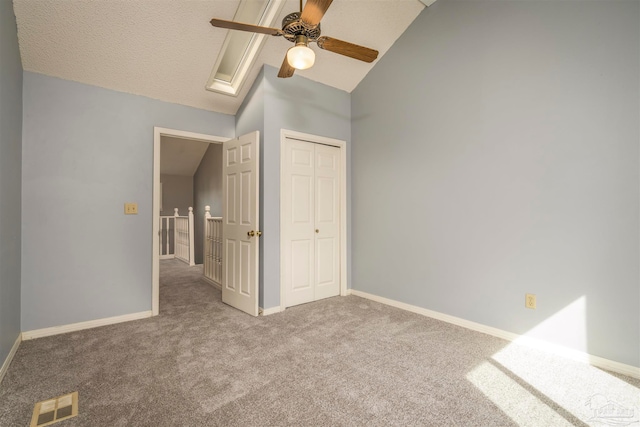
[530,301]
[131,209]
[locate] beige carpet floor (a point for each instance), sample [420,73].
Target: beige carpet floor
[343,361]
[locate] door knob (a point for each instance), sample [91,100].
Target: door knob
[258,233]
[317,231]
[251,233]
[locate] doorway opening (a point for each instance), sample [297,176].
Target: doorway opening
[184,146]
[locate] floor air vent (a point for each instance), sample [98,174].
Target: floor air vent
[51,411]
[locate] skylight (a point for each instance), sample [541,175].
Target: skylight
[240,48]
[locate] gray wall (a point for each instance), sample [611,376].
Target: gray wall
[495,153]
[177,192]
[250,118]
[207,190]
[302,105]
[10,179]
[296,104]
[86,151]
[250,115]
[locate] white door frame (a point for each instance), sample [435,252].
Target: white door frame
[158,133]
[342,145]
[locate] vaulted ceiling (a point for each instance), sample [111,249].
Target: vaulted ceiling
[165,49]
[179,156]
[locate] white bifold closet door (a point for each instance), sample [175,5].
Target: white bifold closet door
[311,220]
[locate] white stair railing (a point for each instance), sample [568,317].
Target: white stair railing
[212,247]
[167,235]
[184,236]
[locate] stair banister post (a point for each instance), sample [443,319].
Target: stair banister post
[205,242]
[175,231]
[191,238]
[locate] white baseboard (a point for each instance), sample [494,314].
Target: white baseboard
[7,361]
[172,256]
[268,311]
[600,362]
[63,329]
[213,283]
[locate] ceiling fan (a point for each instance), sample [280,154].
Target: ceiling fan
[303,28]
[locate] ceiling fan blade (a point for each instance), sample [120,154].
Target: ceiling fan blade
[221,23]
[314,10]
[347,49]
[286,70]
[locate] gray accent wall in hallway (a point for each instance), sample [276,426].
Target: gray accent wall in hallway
[207,191]
[177,192]
[86,152]
[10,179]
[496,153]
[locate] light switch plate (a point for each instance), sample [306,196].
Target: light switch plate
[530,301]
[131,209]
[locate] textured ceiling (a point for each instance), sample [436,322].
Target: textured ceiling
[165,49]
[180,156]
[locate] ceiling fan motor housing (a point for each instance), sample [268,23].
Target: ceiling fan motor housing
[302,32]
[293,26]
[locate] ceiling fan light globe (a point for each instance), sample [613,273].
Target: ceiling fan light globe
[301,57]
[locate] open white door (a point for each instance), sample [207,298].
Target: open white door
[240,233]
